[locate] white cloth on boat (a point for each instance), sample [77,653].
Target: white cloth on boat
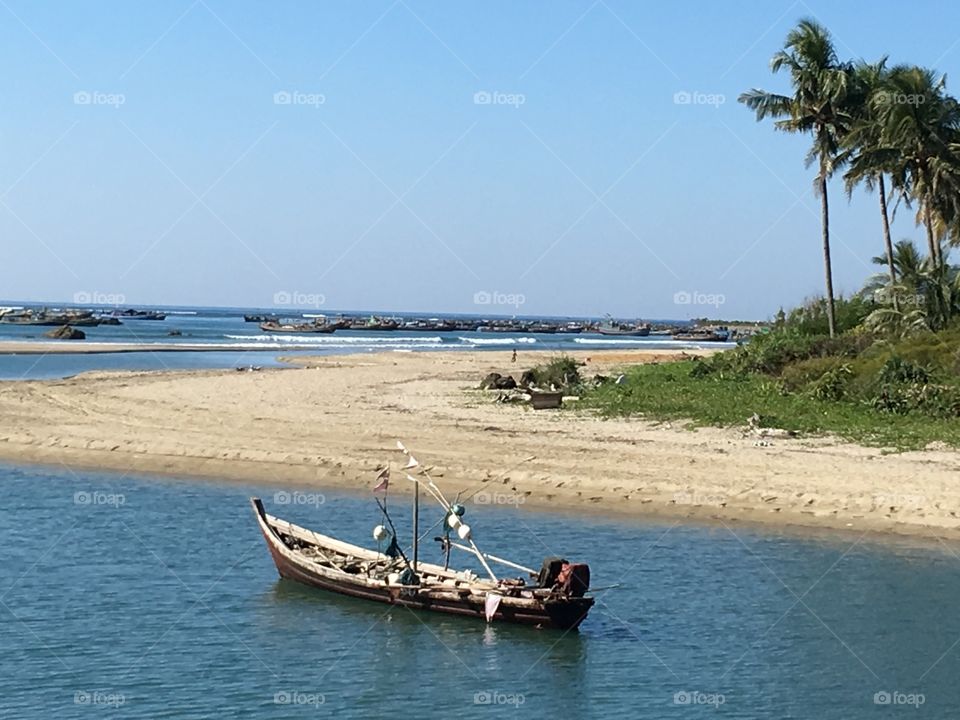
[491,604]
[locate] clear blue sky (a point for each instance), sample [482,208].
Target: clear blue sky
[384,184]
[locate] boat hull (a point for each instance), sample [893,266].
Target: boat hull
[298,329]
[638,332]
[563,613]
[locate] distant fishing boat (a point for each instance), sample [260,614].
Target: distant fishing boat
[279,327]
[131,314]
[542,327]
[502,327]
[439,325]
[553,597]
[260,318]
[431,325]
[721,334]
[623,329]
[374,323]
[47,318]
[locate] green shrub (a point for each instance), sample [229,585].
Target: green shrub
[801,374]
[701,368]
[832,385]
[903,387]
[561,372]
[898,370]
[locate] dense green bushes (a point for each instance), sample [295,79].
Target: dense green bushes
[898,377]
[871,388]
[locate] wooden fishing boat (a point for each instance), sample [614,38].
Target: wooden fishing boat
[373,323]
[706,335]
[45,318]
[625,330]
[542,327]
[502,327]
[330,564]
[278,327]
[132,314]
[555,597]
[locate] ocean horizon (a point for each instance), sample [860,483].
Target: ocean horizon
[219,337]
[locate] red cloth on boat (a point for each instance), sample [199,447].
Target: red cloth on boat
[574,579]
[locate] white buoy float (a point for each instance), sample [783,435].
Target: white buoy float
[464,531]
[454,522]
[380,533]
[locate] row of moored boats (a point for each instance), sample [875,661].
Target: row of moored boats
[72,317]
[274,324]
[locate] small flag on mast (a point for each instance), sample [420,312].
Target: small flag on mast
[411,463]
[383,480]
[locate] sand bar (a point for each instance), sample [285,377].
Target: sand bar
[331,421]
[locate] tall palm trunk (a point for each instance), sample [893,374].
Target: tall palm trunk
[927,204]
[941,304]
[827,266]
[932,244]
[882,192]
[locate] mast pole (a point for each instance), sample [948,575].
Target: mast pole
[416,524]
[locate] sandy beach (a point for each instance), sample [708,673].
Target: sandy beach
[331,421]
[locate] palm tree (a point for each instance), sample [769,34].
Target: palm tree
[928,293]
[818,106]
[922,123]
[869,161]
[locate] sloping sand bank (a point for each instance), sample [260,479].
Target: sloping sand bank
[333,421]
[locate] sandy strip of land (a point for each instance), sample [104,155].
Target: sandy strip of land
[332,422]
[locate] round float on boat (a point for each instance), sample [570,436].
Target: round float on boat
[464,531]
[380,533]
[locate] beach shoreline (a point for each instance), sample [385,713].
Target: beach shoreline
[332,421]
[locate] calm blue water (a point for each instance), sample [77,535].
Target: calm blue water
[58,365]
[138,598]
[233,342]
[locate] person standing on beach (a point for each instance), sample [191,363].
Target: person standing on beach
[514,358]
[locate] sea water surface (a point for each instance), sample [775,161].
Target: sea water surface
[227,341]
[140,597]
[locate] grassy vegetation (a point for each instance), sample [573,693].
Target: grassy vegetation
[901,394]
[560,372]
